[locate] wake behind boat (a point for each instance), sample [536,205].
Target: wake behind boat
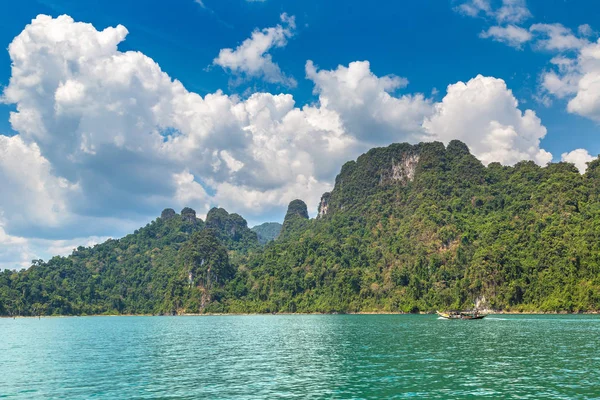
[461,314]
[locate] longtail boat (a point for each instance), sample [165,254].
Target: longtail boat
[461,314]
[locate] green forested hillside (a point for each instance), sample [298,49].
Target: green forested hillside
[267,231]
[176,262]
[406,228]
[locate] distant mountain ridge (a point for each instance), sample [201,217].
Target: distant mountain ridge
[176,261]
[267,231]
[406,228]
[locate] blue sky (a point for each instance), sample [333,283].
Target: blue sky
[93,163]
[426,41]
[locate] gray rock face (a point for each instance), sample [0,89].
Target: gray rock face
[324,205]
[188,214]
[167,214]
[402,171]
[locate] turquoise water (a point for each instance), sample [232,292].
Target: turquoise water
[300,356]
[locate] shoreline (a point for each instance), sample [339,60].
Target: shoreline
[290,313]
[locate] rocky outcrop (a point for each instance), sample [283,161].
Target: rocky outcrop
[399,164]
[188,214]
[402,171]
[295,218]
[296,207]
[324,205]
[232,225]
[167,214]
[232,228]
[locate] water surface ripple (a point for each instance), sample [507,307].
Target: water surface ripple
[300,356]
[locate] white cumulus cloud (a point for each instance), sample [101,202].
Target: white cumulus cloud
[484,114]
[252,58]
[578,80]
[127,139]
[107,139]
[366,103]
[579,157]
[31,193]
[574,74]
[17,252]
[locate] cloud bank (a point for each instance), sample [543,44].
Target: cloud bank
[109,139]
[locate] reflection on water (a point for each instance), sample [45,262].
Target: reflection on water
[303,356]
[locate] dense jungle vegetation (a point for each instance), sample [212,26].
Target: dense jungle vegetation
[406,228]
[267,231]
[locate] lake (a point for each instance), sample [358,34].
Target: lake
[300,356]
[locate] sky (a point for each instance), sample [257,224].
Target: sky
[111,111]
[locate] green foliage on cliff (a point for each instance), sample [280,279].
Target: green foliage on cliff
[145,272]
[296,219]
[406,228]
[415,228]
[232,229]
[267,231]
